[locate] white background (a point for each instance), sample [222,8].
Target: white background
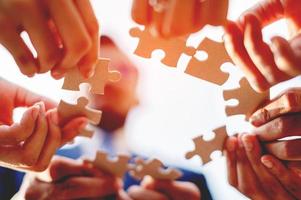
[174,107]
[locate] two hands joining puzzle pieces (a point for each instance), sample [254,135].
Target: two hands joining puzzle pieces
[97,82]
[208,70]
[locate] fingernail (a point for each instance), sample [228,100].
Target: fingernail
[35,112]
[247,142]
[267,163]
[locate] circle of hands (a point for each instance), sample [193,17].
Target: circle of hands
[260,165]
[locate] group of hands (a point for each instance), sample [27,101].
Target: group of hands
[65,35]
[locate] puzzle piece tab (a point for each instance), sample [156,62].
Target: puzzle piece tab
[209,69]
[68,111]
[154,168]
[97,82]
[204,148]
[173,47]
[248,99]
[117,166]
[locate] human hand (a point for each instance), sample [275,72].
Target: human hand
[30,144]
[266,65]
[158,190]
[249,175]
[177,17]
[63,33]
[280,119]
[71,180]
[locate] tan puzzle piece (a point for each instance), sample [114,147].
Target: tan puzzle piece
[97,82]
[210,69]
[173,47]
[117,166]
[249,99]
[154,168]
[68,111]
[215,11]
[204,148]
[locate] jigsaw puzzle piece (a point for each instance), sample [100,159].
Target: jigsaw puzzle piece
[204,148]
[173,47]
[86,133]
[117,166]
[154,168]
[68,111]
[97,82]
[210,69]
[215,11]
[249,99]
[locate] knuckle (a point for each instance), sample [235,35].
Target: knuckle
[246,190]
[279,125]
[291,100]
[28,158]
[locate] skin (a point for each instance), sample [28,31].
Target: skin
[63,33]
[38,129]
[265,65]
[260,176]
[177,17]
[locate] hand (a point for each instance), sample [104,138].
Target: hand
[63,33]
[30,144]
[177,17]
[279,119]
[248,174]
[71,180]
[160,190]
[264,65]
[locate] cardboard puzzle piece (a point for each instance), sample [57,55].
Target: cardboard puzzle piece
[210,69]
[249,99]
[154,168]
[214,11]
[117,166]
[173,47]
[204,148]
[68,111]
[97,82]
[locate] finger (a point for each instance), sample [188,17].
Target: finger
[289,102]
[279,128]
[236,49]
[13,42]
[179,18]
[14,134]
[86,187]
[62,168]
[260,52]
[75,45]
[267,11]
[286,177]
[141,12]
[35,23]
[231,146]
[253,152]
[139,193]
[285,57]
[295,166]
[158,11]
[205,8]
[87,63]
[73,128]
[285,150]
[37,139]
[24,98]
[248,182]
[52,143]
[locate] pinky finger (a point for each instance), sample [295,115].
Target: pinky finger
[286,177]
